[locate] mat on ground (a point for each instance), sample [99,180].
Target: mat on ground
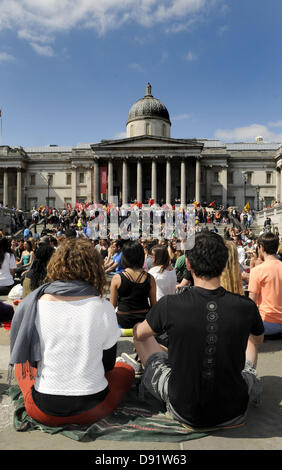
[134,420]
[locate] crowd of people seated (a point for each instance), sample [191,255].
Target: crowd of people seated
[176,303]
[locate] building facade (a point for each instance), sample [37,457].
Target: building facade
[148,163]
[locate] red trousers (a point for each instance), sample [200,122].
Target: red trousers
[120,379]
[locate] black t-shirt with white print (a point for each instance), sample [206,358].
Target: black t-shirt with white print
[208,332]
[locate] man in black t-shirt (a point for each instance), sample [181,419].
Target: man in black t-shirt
[205,378]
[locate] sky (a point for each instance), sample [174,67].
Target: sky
[70,70]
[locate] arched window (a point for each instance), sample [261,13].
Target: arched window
[131,130]
[148,128]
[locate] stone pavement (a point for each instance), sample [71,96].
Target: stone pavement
[263,430]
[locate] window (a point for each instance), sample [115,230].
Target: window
[51,202]
[32,180]
[67,200]
[216,177]
[50,179]
[148,128]
[68,178]
[230,177]
[202,180]
[81,178]
[164,130]
[249,177]
[131,130]
[268,178]
[268,202]
[32,202]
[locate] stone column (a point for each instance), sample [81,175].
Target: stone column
[183,183]
[224,184]
[5,188]
[110,179]
[154,190]
[281,183]
[198,180]
[124,182]
[19,188]
[278,184]
[139,181]
[96,181]
[73,187]
[168,181]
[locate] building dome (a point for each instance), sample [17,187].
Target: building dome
[148,107]
[143,115]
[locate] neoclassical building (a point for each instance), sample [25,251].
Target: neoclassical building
[148,163]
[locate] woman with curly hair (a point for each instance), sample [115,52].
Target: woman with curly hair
[63,342]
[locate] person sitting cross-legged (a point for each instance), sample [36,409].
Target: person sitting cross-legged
[205,379]
[63,342]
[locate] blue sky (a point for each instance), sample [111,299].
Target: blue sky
[71,69]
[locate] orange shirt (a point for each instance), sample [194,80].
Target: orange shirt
[266,282]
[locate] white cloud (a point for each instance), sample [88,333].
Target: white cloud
[222,29]
[180,117]
[120,135]
[248,133]
[38,21]
[44,50]
[5,57]
[190,56]
[137,67]
[275,124]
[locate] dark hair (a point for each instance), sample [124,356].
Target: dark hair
[30,247]
[37,271]
[161,255]
[209,255]
[270,242]
[133,255]
[4,248]
[70,232]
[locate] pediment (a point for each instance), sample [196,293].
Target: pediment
[147,142]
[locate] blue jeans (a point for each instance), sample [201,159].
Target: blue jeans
[272,328]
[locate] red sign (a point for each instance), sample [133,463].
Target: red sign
[103,179]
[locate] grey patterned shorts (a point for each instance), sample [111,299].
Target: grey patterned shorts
[156,376]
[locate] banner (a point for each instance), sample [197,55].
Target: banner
[103,179]
[247,207]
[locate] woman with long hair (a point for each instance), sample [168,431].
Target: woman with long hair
[231,278]
[163,272]
[26,258]
[37,273]
[7,267]
[63,342]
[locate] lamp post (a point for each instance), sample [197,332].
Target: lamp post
[257,191]
[48,191]
[245,182]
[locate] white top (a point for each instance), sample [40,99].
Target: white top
[241,254]
[165,281]
[6,278]
[73,335]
